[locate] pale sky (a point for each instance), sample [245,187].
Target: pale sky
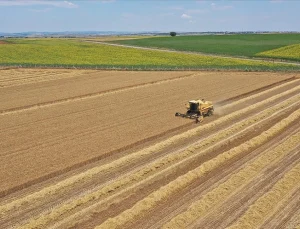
[149,15]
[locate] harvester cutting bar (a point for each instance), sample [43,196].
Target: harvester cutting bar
[191,116]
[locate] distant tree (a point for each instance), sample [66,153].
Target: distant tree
[173,34]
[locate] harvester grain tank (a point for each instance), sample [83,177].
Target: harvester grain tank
[197,109]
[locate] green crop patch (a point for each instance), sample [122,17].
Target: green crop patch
[290,52]
[235,45]
[68,53]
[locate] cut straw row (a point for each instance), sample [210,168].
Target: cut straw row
[235,183]
[53,189]
[169,163]
[185,180]
[266,204]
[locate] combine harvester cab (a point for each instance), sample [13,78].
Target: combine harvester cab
[197,109]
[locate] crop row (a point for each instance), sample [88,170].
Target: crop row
[51,190]
[235,183]
[262,208]
[230,45]
[183,181]
[258,94]
[67,53]
[143,175]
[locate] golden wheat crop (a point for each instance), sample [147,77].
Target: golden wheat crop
[286,52]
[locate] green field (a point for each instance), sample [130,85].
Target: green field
[69,53]
[233,45]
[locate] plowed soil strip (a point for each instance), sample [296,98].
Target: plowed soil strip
[188,178]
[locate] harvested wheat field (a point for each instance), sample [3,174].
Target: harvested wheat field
[102,149]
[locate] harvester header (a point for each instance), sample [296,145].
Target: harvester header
[197,109]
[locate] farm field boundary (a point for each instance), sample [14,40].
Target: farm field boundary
[48,53]
[180,137]
[242,45]
[45,221]
[267,56]
[87,178]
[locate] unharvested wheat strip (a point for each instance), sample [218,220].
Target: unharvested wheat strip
[258,94]
[51,190]
[235,183]
[265,205]
[90,96]
[183,181]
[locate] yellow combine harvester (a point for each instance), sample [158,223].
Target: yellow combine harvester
[197,109]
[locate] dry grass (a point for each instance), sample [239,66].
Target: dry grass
[183,181]
[235,183]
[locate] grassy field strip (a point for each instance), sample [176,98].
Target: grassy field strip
[92,95]
[183,181]
[258,212]
[51,190]
[162,49]
[245,45]
[147,172]
[233,184]
[291,52]
[75,54]
[258,94]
